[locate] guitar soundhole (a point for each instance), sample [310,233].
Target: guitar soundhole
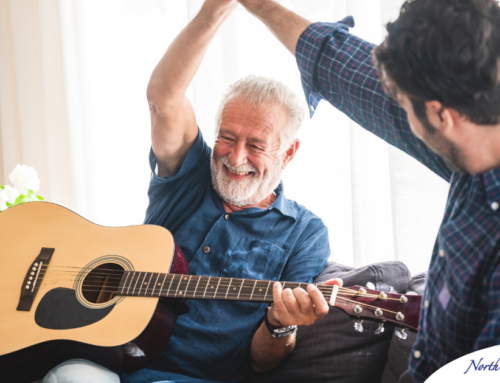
[101,284]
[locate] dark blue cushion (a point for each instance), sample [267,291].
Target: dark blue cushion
[330,350]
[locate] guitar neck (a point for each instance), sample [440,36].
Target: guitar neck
[356,301]
[201,287]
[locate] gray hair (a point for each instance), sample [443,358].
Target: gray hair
[258,91]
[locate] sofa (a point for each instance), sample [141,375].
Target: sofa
[332,351]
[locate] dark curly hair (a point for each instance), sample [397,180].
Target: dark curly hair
[448,51]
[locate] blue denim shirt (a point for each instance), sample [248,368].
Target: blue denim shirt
[283,242]
[461,310]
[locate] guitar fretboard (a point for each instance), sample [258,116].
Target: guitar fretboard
[202,287]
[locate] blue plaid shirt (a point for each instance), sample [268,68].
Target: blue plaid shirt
[461,304]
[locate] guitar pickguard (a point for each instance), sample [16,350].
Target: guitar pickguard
[60,309]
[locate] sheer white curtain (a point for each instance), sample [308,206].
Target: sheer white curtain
[73,75]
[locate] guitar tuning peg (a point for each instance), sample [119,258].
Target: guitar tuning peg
[358,326]
[380,329]
[370,285]
[401,334]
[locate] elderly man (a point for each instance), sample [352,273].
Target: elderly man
[227,211]
[441,62]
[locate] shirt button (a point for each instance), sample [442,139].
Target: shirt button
[417,354]
[494,205]
[312,108]
[441,253]
[206,249]
[426,303]
[226,217]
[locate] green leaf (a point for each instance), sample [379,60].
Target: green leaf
[8,204]
[1,187]
[29,196]
[21,199]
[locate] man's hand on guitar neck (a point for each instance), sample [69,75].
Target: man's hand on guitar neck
[290,307]
[298,307]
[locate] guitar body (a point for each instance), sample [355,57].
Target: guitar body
[64,320]
[72,289]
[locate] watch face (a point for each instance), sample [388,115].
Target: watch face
[284,331]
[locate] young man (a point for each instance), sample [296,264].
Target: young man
[227,210]
[441,64]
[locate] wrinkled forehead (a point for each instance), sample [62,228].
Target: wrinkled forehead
[244,121]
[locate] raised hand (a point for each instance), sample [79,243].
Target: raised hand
[226,6]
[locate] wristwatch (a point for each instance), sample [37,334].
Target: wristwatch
[278,332]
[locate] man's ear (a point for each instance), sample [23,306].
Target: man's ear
[442,118]
[290,153]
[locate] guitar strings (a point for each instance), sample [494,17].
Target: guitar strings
[89,278]
[114,289]
[241,295]
[149,290]
[322,287]
[118,274]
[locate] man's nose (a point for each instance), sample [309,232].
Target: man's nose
[238,155]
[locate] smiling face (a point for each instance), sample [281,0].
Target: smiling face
[246,164]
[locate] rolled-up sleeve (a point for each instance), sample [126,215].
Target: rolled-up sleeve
[173,200]
[338,67]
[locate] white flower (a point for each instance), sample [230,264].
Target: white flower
[25,178]
[3,200]
[12,194]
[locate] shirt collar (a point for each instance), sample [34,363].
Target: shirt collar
[492,185]
[283,205]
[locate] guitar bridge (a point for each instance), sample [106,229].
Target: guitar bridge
[33,279]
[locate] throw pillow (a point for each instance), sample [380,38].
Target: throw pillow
[330,350]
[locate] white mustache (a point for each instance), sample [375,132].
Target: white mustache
[242,168]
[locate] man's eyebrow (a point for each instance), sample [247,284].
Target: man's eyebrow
[257,140]
[228,132]
[250,139]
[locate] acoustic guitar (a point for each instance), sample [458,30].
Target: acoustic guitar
[73,289]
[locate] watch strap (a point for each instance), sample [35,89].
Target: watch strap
[278,332]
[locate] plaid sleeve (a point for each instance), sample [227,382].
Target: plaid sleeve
[338,67]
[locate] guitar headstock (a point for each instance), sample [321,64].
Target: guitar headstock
[362,303]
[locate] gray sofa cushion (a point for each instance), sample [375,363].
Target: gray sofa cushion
[330,350]
[399,350]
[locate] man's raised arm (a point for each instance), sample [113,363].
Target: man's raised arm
[173,123]
[338,67]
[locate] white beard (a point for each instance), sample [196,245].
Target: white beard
[245,192]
